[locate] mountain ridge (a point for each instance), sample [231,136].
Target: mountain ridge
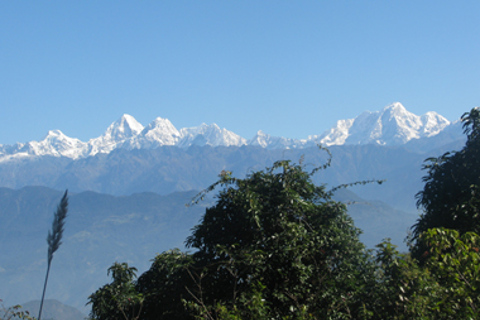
[392,126]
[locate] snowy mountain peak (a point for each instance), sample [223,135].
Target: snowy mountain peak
[336,135]
[57,137]
[55,143]
[434,123]
[124,128]
[160,132]
[160,125]
[264,140]
[211,135]
[394,125]
[395,108]
[260,133]
[260,139]
[54,134]
[116,134]
[161,128]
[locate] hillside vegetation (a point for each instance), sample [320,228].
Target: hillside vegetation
[277,246]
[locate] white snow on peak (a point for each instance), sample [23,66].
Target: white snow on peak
[211,135]
[260,139]
[55,143]
[433,123]
[124,128]
[160,132]
[264,140]
[336,135]
[393,125]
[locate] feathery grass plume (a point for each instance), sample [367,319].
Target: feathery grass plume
[54,239]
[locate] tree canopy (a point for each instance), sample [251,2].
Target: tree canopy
[119,299]
[275,245]
[278,234]
[451,195]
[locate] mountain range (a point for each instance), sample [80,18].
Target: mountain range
[129,158]
[129,188]
[392,126]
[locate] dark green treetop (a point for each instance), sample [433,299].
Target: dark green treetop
[451,195]
[118,299]
[278,235]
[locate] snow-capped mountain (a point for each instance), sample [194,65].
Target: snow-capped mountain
[124,128]
[55,144]
[264,140]
[211,135]
[160,132]
[125,133]
[393,126]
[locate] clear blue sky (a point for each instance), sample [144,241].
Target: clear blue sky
[290,68]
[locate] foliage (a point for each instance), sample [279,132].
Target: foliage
[15,312]
[164,286]
[454,261]
[54,240]
[276,230]
[403,289]
[445,286]
[450,198]
[119,299]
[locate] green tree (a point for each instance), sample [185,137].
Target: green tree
[454,261]
[451,195]
[274,246]
[119,299]
[164,286]
[403,289]
[277,236]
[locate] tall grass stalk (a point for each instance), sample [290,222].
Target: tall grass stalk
[54,239]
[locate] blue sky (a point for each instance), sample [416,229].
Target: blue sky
[290,68]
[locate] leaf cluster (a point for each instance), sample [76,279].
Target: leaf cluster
[450,197]
[119,299]
[14,312]
[277,230]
